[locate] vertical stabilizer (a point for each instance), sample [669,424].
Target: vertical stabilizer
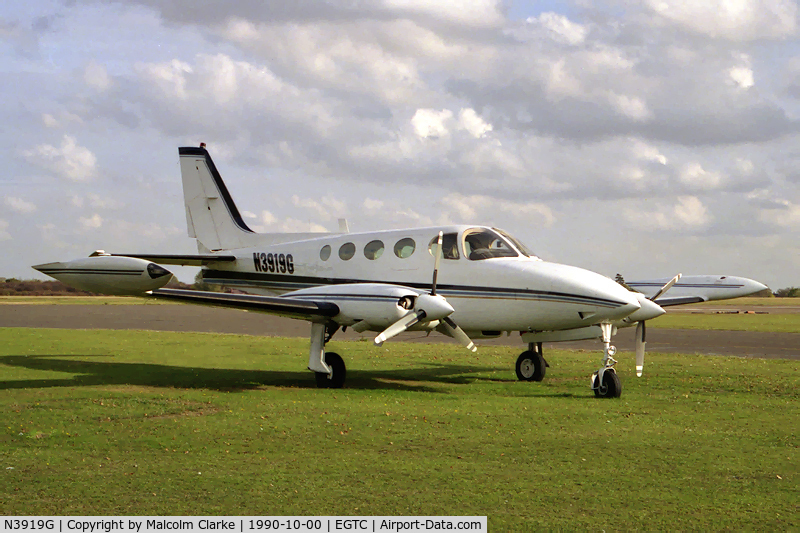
[211,215]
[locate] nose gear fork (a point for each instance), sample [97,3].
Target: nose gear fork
[605,382]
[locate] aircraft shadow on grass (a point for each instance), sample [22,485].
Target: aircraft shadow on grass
[92,373]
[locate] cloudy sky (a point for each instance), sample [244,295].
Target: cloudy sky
[643,137]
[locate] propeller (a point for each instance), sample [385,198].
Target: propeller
[429,306]
[641,327]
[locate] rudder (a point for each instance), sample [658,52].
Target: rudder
[211,215]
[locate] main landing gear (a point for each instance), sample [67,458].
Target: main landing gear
[605,382]
[328,368]
[531,365]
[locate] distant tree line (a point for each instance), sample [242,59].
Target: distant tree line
[36,287]
[788,292]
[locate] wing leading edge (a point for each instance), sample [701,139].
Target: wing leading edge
[288,307]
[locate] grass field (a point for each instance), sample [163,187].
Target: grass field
[786,323]
[126,422]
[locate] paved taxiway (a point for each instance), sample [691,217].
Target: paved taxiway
[199,318]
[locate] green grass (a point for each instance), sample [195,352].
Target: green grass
[126,422]
[748,301]
[779,322]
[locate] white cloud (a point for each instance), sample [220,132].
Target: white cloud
[63,118]
[467,209]
[70,160]
[478,13]
[101,202]
[648,152]
[19,205]
[696,177]
[560,28]
[469,120]
[326,209]
[632,107]
[688,213]
[429,123]
[93,222]
[736,20]
[775,210]
[372,206]
[169,77]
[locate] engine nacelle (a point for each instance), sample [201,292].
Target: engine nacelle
[373,306]
[109,274]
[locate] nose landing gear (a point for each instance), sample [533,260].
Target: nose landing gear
[605,382]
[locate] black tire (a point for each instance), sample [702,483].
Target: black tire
[611,387]
[531,366]
[336,379]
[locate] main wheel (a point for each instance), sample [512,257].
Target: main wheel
[336,379]
[531,366]
[611,386]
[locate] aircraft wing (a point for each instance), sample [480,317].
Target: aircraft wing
[288,307]
[679,300]
[184,260]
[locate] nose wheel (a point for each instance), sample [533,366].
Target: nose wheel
[531,365]
[605,382]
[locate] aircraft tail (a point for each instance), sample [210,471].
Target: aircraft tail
[211,214]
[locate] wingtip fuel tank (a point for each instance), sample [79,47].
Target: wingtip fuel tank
[122,276]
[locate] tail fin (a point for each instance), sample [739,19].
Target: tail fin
[211,215]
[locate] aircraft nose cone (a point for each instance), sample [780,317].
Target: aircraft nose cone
[608,299]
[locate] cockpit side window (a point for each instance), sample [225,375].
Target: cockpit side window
[482,243]
[516,242]
[449,245]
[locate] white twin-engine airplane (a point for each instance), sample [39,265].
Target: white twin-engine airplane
[467,282]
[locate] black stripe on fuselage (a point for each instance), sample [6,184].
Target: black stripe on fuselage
[289,283]
[92,271]
[191,151]
[690,285]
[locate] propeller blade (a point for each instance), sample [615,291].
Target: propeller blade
[666,287]
[641,331]
[436,260]
[452,330]
[399,327]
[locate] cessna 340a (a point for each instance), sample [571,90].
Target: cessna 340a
[466,282]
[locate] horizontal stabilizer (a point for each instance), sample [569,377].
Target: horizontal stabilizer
[288,307]
[185,260]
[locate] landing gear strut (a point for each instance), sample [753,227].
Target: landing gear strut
[605,382]
[531,365]
[329,369]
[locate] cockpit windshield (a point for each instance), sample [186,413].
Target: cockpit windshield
[483,243]
[521,247]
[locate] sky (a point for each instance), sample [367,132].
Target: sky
[644,137]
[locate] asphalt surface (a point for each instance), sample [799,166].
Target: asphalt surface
[208,319]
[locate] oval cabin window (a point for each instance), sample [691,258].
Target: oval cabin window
[373,250]
[404,248]
[325,253]
[347,251]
